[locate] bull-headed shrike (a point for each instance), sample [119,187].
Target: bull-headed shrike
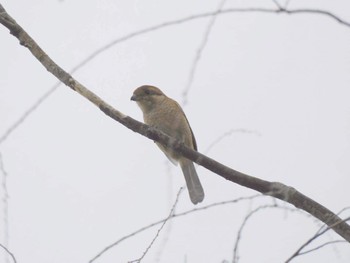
[166,115]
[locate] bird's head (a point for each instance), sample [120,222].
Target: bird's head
[147,97]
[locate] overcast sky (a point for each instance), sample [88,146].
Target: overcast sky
[270,90]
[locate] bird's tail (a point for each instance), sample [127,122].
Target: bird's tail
[194,186]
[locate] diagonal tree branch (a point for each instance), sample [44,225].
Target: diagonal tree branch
[275,189]
[9,252]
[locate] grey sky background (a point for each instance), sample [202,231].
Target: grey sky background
[277,85]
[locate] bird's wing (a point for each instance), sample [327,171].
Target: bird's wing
[193,138]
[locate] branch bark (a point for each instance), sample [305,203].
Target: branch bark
[275,189]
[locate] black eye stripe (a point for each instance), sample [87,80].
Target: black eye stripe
[151,92]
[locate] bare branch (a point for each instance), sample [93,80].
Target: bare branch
[298,253]
[316,12]
[275,189]
[245,220]
[323,245]
[228,133]
[286,4]
[4,198]
[9,252]
[28,112]
[197,209]
[199,52]
[160,229]
[163,244]
[318,234]
[277,4]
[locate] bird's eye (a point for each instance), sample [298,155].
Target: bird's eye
[148,92]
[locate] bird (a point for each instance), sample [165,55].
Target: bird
[166,115]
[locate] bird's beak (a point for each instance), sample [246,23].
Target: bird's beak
[133,97]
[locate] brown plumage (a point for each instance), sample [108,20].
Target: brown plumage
[165,114]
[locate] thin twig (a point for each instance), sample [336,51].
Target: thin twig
[167,231]
[228,133]
[9,252]
[199,52]
[277,4]
[286,4]
[322,245]
[318,234]
[197,209]
[5,197]
[245,220]
[160,229]
[28,112]
[163,243]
